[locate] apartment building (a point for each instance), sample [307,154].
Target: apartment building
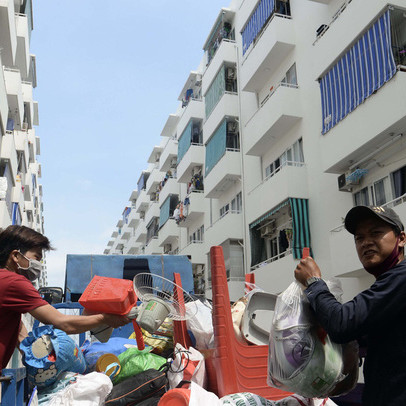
[20,172]
[295,113]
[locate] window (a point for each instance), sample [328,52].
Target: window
[224,210]
[361,198]
[236,203]
[291,77]
[197,236]
[293,156]
[379,191]
[399,182]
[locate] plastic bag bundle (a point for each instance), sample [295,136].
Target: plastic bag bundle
[302,358]
[133,361]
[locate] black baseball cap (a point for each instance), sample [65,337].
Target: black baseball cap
[358,213]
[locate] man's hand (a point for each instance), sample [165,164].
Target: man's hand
[114,320]
[305,269]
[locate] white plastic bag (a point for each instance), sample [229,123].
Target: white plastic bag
[188,365]
[302,357]
[88,390]
[201,397]
[201,325]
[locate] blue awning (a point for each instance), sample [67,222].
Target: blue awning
[258,19]
[185,141]
[16,215]
[216,147]
[366,67]
[165,211]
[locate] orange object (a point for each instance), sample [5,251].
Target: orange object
[238,367]
[108,364]
[109,295]
[306,252]
[175,397]
[138,336]
[180,334]
[249,281]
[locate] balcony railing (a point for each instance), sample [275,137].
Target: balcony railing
[322,30]
[223,215]
[269,260]
[274,172]
[390,204]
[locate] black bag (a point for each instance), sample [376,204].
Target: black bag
[148,384]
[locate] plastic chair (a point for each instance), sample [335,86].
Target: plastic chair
[233,366]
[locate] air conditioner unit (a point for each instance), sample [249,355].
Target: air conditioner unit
[25,126]
[198,82]
[230,73]
[196,170]
[142,215]
[268,231]
[167,248]
[345,184]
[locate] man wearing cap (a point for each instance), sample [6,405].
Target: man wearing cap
[378,313]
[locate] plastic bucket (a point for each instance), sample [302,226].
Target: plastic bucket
[108,364]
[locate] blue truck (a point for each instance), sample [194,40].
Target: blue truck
[80,269]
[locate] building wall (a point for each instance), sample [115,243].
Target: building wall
[272,117]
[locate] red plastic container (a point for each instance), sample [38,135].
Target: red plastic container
[175,397]
[109,295]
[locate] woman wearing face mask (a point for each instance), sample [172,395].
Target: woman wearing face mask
[21,251]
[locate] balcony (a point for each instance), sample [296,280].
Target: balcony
[153,211]
[268,52]
[279,112]
[347,26]
[340,148]
[289,181]
[171,187]
[227,106]
[23,45]
[14,91]
[133,219]
[153,247]
[275,274]
[226,52]
[168,233]
[167,160]
[194,109]
[140,233]
[154,179]
[223,175]
[8,37]
[226,227]
[193,157]
[197,251]
[170,126]
[194,210]
[142,202]
[8,152]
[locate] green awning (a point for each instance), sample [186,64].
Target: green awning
[269,214]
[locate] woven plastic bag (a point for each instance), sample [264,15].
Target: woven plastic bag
[302,357]
[47,353]
[133,361]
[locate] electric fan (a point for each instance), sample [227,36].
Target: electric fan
[160,298]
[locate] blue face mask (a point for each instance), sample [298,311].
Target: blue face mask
[33,270]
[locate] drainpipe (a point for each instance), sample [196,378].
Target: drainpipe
[245,245]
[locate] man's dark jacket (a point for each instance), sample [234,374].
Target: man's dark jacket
[380,314]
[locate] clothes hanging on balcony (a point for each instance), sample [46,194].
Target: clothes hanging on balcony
[283,241]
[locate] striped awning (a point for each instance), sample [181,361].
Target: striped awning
[300,224]
[366,67]
[269,214]
[301,227]
[257,20]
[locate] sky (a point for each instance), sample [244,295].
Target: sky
[109,74]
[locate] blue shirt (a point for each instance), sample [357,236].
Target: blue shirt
[380,314]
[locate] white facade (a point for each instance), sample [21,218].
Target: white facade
[279,158]
[20,172]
